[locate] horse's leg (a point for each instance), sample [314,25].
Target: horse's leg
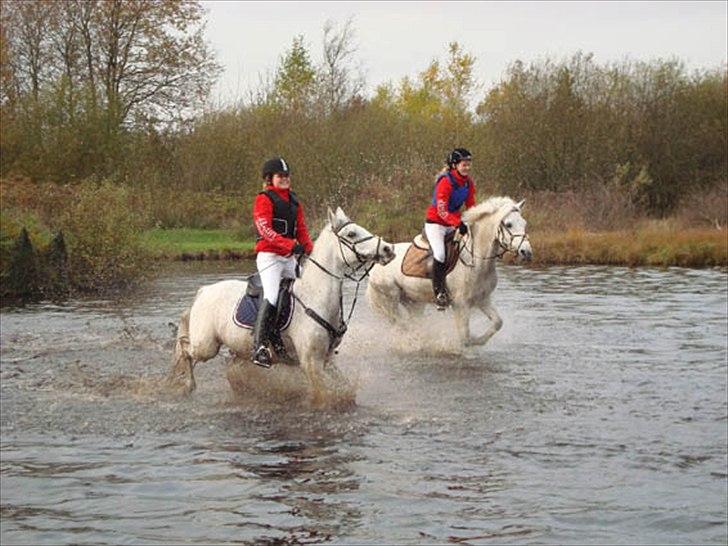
[181,375]
[314,373]
[461,314]
[387,303]
[191,348]
[339,382]
[496,323]
[415,310]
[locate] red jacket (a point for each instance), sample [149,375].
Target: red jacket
[438,213]
[271,240]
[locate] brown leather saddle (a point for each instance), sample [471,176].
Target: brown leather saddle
[417,261]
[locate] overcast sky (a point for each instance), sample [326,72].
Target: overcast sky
[397,39]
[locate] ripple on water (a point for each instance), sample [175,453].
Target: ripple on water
[596,415]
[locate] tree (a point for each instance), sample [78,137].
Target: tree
[80,76]
[295,79]
[339,84]
[438,94]
[139,60]
[27,48]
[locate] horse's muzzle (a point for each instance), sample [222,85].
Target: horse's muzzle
[525,254]
[386,254]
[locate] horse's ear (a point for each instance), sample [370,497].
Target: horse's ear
[332,219]
[342,215]
[519,206]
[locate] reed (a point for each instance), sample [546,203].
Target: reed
[639,247]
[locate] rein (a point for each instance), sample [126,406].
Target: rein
[335,334]
[503,248]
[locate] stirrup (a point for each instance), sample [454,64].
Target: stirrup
[263,357]
[442,301]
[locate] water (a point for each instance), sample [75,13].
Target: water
[598,414]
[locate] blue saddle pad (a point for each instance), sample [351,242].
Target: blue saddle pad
[246,310]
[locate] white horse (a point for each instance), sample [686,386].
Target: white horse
[495,227]
[342,250]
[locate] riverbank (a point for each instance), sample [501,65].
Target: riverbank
[650,247]
[197,244]
[642,247]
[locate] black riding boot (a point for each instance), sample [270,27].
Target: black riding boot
[261,333]
[275,338]
[442,298]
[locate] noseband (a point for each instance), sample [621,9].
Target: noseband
[502,228]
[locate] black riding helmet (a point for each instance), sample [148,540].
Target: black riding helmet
[275,165]
[458,155]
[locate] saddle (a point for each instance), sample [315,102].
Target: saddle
[246,310]
[417,261]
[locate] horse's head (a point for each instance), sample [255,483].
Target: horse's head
[512,233]
[359,248]
[498,220]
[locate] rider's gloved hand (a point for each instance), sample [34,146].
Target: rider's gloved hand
[462,228]
[298,249]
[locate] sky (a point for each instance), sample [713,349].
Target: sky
[398,39]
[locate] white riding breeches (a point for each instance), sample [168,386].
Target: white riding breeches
[436,237]
[272,268]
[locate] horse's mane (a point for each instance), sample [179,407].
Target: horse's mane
[326,228]
[487,207]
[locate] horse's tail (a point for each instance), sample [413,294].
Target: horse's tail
[181,373]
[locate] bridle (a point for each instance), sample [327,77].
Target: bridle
[503,248]
[363,260]
[336,334]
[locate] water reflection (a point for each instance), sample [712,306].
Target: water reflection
[307,478]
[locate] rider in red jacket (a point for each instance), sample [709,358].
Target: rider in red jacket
[282,236]
[453,189]
[270,240]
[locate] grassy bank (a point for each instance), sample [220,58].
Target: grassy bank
[197,244]
[649,246]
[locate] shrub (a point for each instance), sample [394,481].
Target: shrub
[21,278]
[12,223]
[103,230]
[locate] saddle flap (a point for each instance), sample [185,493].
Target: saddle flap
[247,307]
[421,242]
[417,261]
[255,285]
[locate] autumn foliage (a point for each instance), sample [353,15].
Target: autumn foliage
[87,102]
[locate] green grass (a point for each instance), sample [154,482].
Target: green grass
[179,241]
[689,248]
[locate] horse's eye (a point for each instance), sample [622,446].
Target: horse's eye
[509,225]
[351,234]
